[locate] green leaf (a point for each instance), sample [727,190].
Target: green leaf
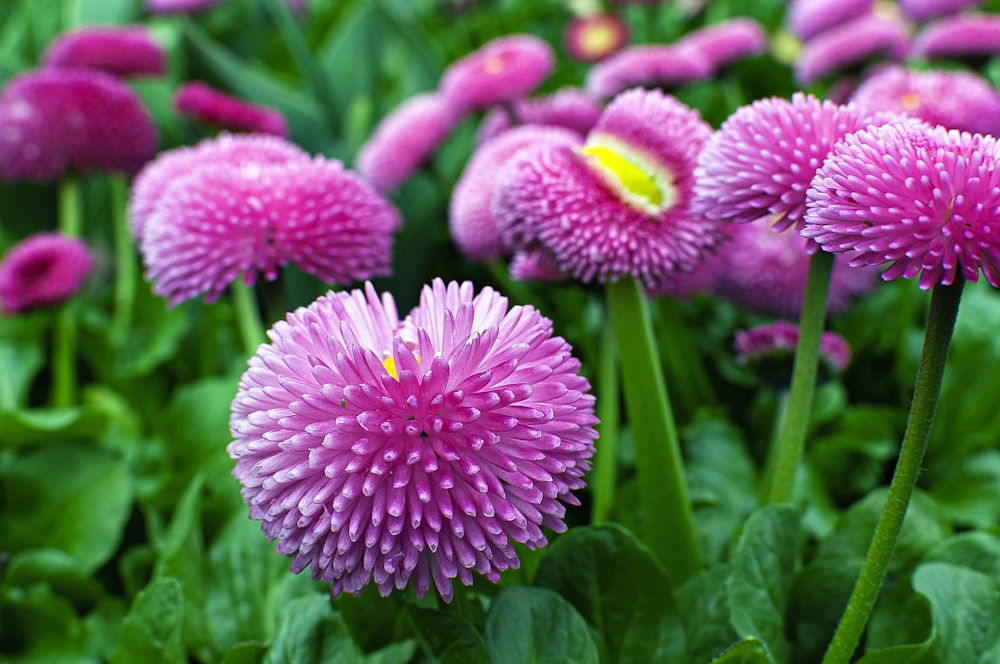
[620,590]
[153,628]
[21,360]
[746,651]
[704,609]
[819,594]
[245,653]
[909,654]
[400,652]
[452,640]
[965,610]
[763,567]
[535,625]
[977,550]
[312,633]
[70,497]
[59,570]
[40,426]
[969,493]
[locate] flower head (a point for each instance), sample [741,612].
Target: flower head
[759,163]
[54,120]
[924,199]
[959,100]
[921,10]
[405,138]
[121,51]
[227,218]
[535,264]
[43,269]
[502,70]
[179,6]
[770,349]
[724,42]
[962,35]
[384,451]
[618,205]
[570,108]
[595,36]
[851,44]
[214,107]
[808,18]
[647,65]
[473,226]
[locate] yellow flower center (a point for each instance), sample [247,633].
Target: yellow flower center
[910,101]
[390,366]
[598,38]
[633,178]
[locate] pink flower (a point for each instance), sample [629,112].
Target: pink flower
[571,108]
[775,343]
[617,206]
[647,65]
[921,10]
[593,37]
[473,226]
[851,44]
[405,139]
[959,100]
[121,51]
[534,264]
[55,120]
[502,70]
[385,451]
[727,41]
[43,269]
[179,6]
[924,199]
[759,163]
[224,219]
[808,18]
[214,107]
[962,35]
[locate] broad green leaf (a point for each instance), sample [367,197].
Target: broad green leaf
[21,360]
[452,640]
[536,626]
[40,626]
[965,610]
[400,652]
[619,589]
[760,582]
[42,426]
[977,550]
[56,568]
[252,652]
[969,493]
[746,651]
[153,628]
[818,596]
[75,498]
[909,654]
[704,609]
[312,633]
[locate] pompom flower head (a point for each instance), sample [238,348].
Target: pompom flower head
[959,100]
[660,65]
[218,109]
[121,51]
[570,108]
[851,44]
[924,199]
[405,139]
[759,163]
[43,269]
[179,6]
[970,35]
[727,41]
[56,120]
[921,10]
[618,206]
[255,216]
[770,350]
[502,70]
[388,451]
[808,18]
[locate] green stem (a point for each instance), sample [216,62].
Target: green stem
[247,316]
[64,333]
[605,461]
[669,524]
[940,325]
[70,207]
[687,378]
[771,457]
[125,262]
[792,436]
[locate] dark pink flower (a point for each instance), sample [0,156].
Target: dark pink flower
[808,18]
[214,107]
[43,269]
[505,69]
[924,199]
[647,65]
[956,99]
[921,10]
[534,264]
[617,206]
[962,35]
[384,451]
[118,50]
[227,219]
[593,37]
[727,41]
[759,163]
[405,139]
[851,44]
[571,108]
[179,6]
[771,348]
[56,120]
[473,226]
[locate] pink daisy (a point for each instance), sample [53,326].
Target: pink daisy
[43,269]
[473,226]
[505,69]
[776,342]
[972,34]
[179,6]
[214,107]
[118,50]
[571,108]
[617,206]
[727,41]
[55,120]
[959,100]
[851,44]
[383,451]
[921,10]
[227,218]
[405,139]
[595,36]
[759,163]
[924,199]
[808,18]
[647,65]
[534,264]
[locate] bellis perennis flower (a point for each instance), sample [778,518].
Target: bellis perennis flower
[41,270]
[385,451]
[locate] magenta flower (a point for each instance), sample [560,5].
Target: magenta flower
[808,18]
[384,451]
[473,226]
[227,218]
[121,51]
[55,120]
[534,264]
[963,35]
[179,6]
[924,199]
[406,138]
[571,108]
[618,205]
[593,37]
[647,65]
[214,107]
[776,342]
[921,10]
[959,100]
[851,44]
[759,163]
[249,150]
[727,41]
[43,269]
[502,70]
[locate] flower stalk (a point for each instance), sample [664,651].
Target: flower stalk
[64,335]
